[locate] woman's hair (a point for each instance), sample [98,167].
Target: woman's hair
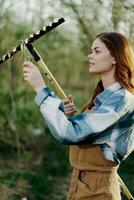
[121,50]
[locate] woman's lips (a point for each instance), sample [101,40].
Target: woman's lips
[91,64]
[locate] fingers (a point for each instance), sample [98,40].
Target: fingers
[68,105]
[69,108]
[28,70]
[71,111]
[28,64]
[70,98]
[27,75]
[69,114]
[65,102]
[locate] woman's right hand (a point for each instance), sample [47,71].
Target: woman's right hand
[69,107]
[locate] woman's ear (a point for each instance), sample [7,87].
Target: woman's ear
[114,61]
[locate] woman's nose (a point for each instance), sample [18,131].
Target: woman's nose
[90,56]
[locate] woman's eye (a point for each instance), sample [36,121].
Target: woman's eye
[97,52]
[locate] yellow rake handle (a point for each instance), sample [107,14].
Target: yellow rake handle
[51,80]
[125,189]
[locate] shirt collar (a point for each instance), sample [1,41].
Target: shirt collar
[106,92]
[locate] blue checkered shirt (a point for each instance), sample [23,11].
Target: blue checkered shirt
[111,125]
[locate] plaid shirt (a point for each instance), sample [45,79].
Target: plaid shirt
[110,125]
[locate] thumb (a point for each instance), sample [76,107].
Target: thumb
[70,98]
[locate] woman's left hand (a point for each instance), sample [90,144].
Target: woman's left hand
[33,76]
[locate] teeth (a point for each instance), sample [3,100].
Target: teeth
[21,46]
[55,20]
[26,41]
[9,55]
[31,35]
[37,32]
[3,58]
[50,24]
[14,49]
[44,28]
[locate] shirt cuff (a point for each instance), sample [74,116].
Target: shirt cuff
[61,106]
[43,94]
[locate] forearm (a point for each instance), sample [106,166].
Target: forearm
[66,130]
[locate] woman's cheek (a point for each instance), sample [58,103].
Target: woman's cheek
[102,62]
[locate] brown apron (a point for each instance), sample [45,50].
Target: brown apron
[93,177]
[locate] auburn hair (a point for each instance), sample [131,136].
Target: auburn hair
[122,51]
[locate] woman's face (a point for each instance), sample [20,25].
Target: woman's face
[100,58]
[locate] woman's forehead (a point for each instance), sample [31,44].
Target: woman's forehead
[97,43]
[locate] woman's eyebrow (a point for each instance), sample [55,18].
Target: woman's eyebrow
[95,48]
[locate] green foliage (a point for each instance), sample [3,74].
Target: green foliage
[33,164]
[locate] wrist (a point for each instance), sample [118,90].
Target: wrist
[37,89]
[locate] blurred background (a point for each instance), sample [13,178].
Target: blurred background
[32,163]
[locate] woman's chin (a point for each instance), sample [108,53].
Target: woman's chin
[91,70]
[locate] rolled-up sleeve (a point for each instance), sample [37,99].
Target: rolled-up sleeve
[44,93]
[81,126]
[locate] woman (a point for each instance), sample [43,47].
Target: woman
[102,135]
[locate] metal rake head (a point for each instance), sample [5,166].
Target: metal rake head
[32,38]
